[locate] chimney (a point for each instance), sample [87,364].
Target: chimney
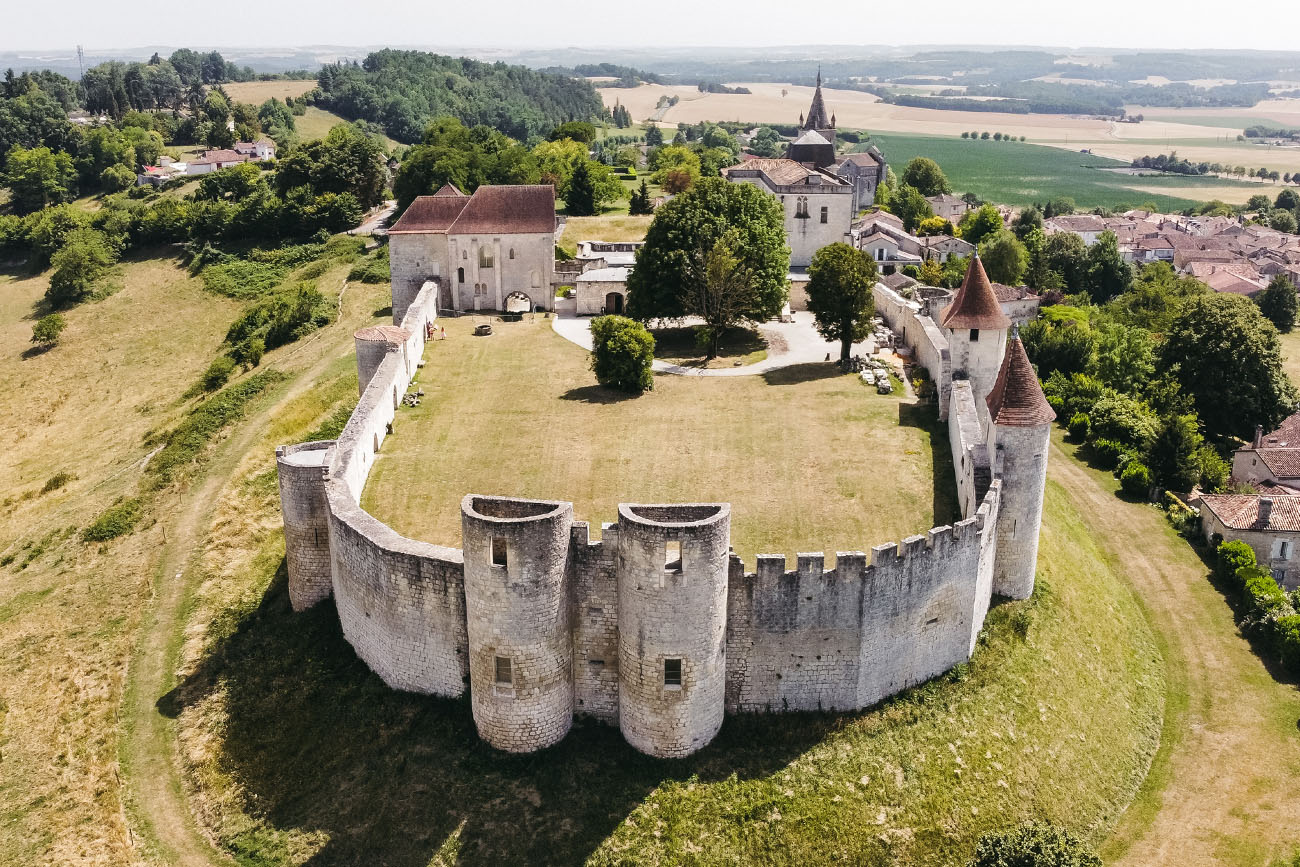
[1265,511]
[1259,437]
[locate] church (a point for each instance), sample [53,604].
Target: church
[820,191]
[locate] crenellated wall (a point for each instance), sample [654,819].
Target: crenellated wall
[656,627]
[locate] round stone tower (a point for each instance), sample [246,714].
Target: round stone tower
[517,614]
[302,470]
[976,329]
[1019,430]
[672,617]
[373,345]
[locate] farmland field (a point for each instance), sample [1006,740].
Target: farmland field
[1018,173]
[1207,134]
[258,92]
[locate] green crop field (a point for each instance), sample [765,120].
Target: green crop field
[1019,173]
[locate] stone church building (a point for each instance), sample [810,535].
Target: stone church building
[493,250]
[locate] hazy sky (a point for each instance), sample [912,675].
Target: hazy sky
[58,24]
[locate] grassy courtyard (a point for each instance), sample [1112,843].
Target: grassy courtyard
[799,453]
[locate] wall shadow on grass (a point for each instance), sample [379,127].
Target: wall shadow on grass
[795,374]
[319,743]
[944,495]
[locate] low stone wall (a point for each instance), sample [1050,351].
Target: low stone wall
[919,332]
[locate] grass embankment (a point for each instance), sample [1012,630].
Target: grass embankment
[298,753]
[88,413]
[1222,787]
[798,452]
[1021,173]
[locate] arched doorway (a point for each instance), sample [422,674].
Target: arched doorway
[518,302]
[614,303]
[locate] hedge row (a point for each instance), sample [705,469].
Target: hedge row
[1268,613]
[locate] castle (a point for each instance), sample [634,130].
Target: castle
[657,627]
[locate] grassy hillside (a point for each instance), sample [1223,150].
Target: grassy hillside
[1020,173]
[297,753]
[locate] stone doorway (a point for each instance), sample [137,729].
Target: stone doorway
[614,303]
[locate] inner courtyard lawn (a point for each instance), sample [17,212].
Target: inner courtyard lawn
[809,458]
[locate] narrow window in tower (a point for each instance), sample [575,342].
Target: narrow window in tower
[672,674]
[825,214]
[974,335]
[498,551]
[505,674]
[673,557]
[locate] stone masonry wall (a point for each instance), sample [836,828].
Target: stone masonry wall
[594,579]
[929,345]
[305,512]
[970,453]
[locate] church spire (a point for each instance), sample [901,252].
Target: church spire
[817,112]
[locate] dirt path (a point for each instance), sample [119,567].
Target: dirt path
[163,828]
[1222,789]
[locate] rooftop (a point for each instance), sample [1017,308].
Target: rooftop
[520,209]
[1016,399]
[975,305]
[1248,512]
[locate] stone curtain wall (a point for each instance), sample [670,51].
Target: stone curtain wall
[923,335]
[970,454]
[601,628]
[847,637]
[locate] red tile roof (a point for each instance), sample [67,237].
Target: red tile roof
[1287,433]
[1017,399]
[974,305]
[518,209]
[1282,463]
[383,334]
[1243,511]
[449,190]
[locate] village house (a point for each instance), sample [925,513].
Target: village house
[1270,525]
[601,290]
[1270,459]
[818,205]
[262,149]
[944,247]
[949,207]
[493,250]
[214,160]
[1087,226]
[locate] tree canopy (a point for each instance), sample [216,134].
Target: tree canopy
[840,283]
[671,265]
[925,175]
[1278,303]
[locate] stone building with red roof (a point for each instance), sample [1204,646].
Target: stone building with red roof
[492,250]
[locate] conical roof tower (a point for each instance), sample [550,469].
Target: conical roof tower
[1017,399]
[817,118]
[975,305]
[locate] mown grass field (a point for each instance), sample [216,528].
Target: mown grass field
[606,227]
[797,452]
[298,754]
[1021,173]
[258,92]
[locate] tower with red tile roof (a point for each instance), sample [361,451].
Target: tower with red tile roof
[976,329]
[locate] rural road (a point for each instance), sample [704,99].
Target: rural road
[1222,787]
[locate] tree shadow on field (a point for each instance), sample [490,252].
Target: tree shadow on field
[597,394]
[318,743]
[924,416]
[796,374]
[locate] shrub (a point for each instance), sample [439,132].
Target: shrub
[623,352]
[243,280]
[1287,638]
[373,270]
[217,374]
[1078,426]
[1230,557]
[47,330]
[1106,453]
[86,255]
[283,317]
[248,352]
[1034,845]
[1124,419]
[1136,479]
[114,179]
[56,481]
[1215,471]
[117,520]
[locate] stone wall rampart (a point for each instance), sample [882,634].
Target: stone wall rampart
[929,346]
[970,453]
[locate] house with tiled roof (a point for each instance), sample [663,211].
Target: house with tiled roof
[492,250]
[949,207]
[1272,458]
[215,160]
[1270,525]
[1087,226]
[818,204]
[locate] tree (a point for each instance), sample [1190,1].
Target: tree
[670,267]
[347,160]
[622,354]
[580,196]
[578,130]
[46,331]
[1067,255]
[84,257]
[934,226]
[639,203]
[1124,357]
[1287,200]
[925,175]
[910,206]
[1033,846]
[654,136]
[766,142]
[1283,221]
[1155,298]
[1174,458]
[38,178]
[1026,221]
[1226,357]
[1108,274]
[725,296]
[978,224]
[1278,303]
[931,273]
[1258,202]
[676,168]
[114,179]
[1004,257]
[840,283]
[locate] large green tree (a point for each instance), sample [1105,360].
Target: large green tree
[1067,256]
[622,354]
[345,161]
[925,174]
[840,283]
[978,224]
[38,178]
[1278,303]
[910,206]
[1004,257]
[84,257]
[1108,274]
[670,267]
[1227,358]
